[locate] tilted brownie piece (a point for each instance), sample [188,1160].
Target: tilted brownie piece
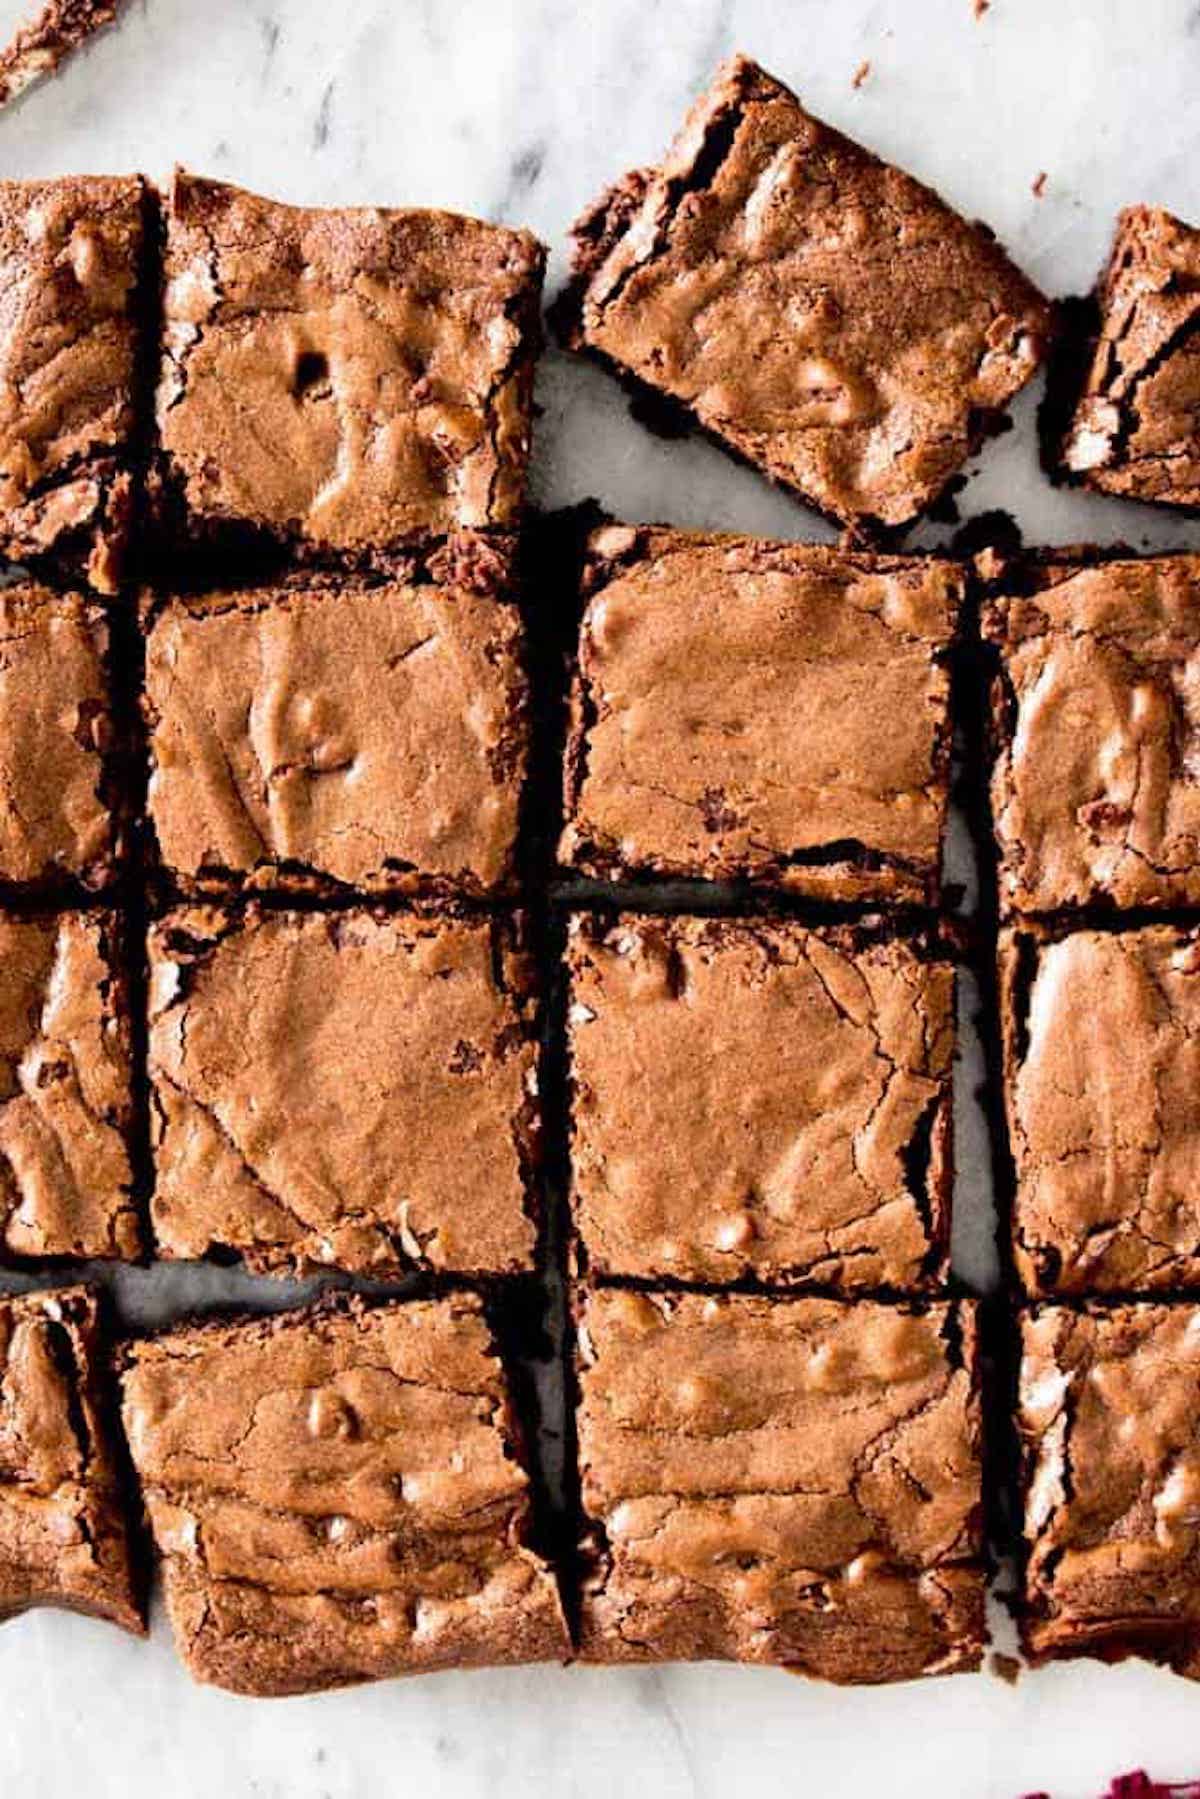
[1110,1422]
[338,1496]
[823,315]
[764,711]
[753,1098]
[1096,783]
[37,48]
[1102,1085]
[793,1481]
[65,1089]
[343,380]
[371,737]
[350,1089]
[59,822]
[71,255]
[63,1536]
[1135,430]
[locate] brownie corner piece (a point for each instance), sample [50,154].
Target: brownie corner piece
[71,279]
[339,1495]
[63,1523]
[821,314]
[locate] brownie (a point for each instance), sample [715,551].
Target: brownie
[37,48]
[66,1108]
[1096,777]
[821,314]
[1135,427]
[343,381]
[1110,1424]
[751,1098]
[338,1495]
[1102,1077]
[370,737]
[764,711]
[71,254]
[353,1089]
[794,1481]
[63,1535]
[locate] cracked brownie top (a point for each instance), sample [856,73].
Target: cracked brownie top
[753,1098]
[343,380]
[827,317]
[350,1089]
[771,711]
[338,1496]
[778,1480]
[1096,781]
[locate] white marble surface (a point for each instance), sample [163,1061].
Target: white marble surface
[521,109]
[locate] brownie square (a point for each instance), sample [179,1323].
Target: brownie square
[770,712]
[66,1108]
[1110,1426]
[1135,426]
[357,736]
[338,1495]
[1102,1083]
[793,1481]
[343,381]
[1096,779]
[350,1089]
[63,1537]
[71,254]
[822,315]
[751,1098]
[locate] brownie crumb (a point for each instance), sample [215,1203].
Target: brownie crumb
[860,74]
[1038,185]
[1005,1667]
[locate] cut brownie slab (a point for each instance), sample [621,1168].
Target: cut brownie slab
[338,1496]
[778,1480]
[343,381]
[1135,429]
[65,1089]
[821,314]
[349,1089]
[768,711]
[1110,1421]
[1096,783]
[70,269]
[63,1537]
[753,1098]
[369,737]
[1102,1078]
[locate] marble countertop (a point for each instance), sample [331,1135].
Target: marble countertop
[521,110]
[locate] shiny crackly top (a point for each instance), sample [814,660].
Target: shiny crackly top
[1111,1426]
[770,710]
[826,315]
[1136,428]
[336,1495]
[372,736]
[758,1099]
[348,377]
[1096,789]
[341,1089]
[781,1480]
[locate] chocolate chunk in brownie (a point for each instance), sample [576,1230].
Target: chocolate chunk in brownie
[63,1537]
[368,737]
[1110,1422]
[71,256]
[338,1495]
[823,315]
[348,1089]
[1102,1078]
[343,381]
[1135,429]
[756,1099]
[794,1481]
[1096,783]
[768,711]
